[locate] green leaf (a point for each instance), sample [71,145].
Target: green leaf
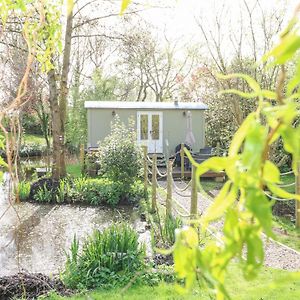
[225,198]
[285,50]
[251,82]
[216,164]
[271,173]
[241,133]
[124,5]
[2,162]
[281,193]
[269,94]
[255,255]
[253,147]
[260,206]
[70,5]
[185,254]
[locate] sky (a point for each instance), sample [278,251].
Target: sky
[180,20]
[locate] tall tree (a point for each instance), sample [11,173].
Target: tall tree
[154,65]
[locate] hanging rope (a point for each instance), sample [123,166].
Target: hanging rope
[183,195]
[287,173]
[149,159]
[277,199]
[159,185]
[161,174]
[287,185]
[181,214]
[181,189]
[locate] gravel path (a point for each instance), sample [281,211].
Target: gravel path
[277,255]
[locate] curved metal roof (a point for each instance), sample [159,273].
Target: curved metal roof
[145,105]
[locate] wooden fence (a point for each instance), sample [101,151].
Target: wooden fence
[193,198]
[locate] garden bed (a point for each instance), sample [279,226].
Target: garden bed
[96,191]
[30,286]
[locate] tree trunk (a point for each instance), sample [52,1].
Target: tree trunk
[64,89]
[56,126]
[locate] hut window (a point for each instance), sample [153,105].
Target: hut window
[144,127]
[155,127]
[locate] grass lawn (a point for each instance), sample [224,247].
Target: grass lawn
[270,284]
[74,169]
[287,179]
[33,139]
[286,232]
[209,184]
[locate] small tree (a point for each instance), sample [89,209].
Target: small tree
[120,157]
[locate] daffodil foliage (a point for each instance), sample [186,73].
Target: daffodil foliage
[242,202]
[41,26]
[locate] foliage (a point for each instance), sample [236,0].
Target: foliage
[24,190]
[43,33]
[74,170]
[109,258]
[63,190]
[263,287]
[170,226]
[28,150]
[102,88]
[137,192]
[242,201]
[43,194]
[2,162]
[97,191]
[120,157]
[31,124]
[286,232]
[89,191]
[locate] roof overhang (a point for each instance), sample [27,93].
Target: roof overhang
[145,105]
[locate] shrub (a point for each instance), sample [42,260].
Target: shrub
[171,224]
[32,150]
[120,157]
[24,190]
[103,190]
[63,191]
[137,192]
[43,194]
[107,259]
[90,191]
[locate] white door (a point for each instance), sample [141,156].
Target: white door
[150,130]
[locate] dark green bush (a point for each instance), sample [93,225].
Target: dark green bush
[137,192]
[43,194]
[103,190]
[109,258]
[32,150]
[86,190]
[120,157]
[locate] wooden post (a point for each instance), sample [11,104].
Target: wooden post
[194,196]
[297,204]
[169,190]
[82,158]
[153,208]
[182,161]
[218,148]
[145,151]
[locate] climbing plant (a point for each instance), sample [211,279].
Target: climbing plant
[243,202]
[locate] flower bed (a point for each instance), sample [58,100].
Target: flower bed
[95,191]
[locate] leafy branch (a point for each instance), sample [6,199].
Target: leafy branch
[242,201]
